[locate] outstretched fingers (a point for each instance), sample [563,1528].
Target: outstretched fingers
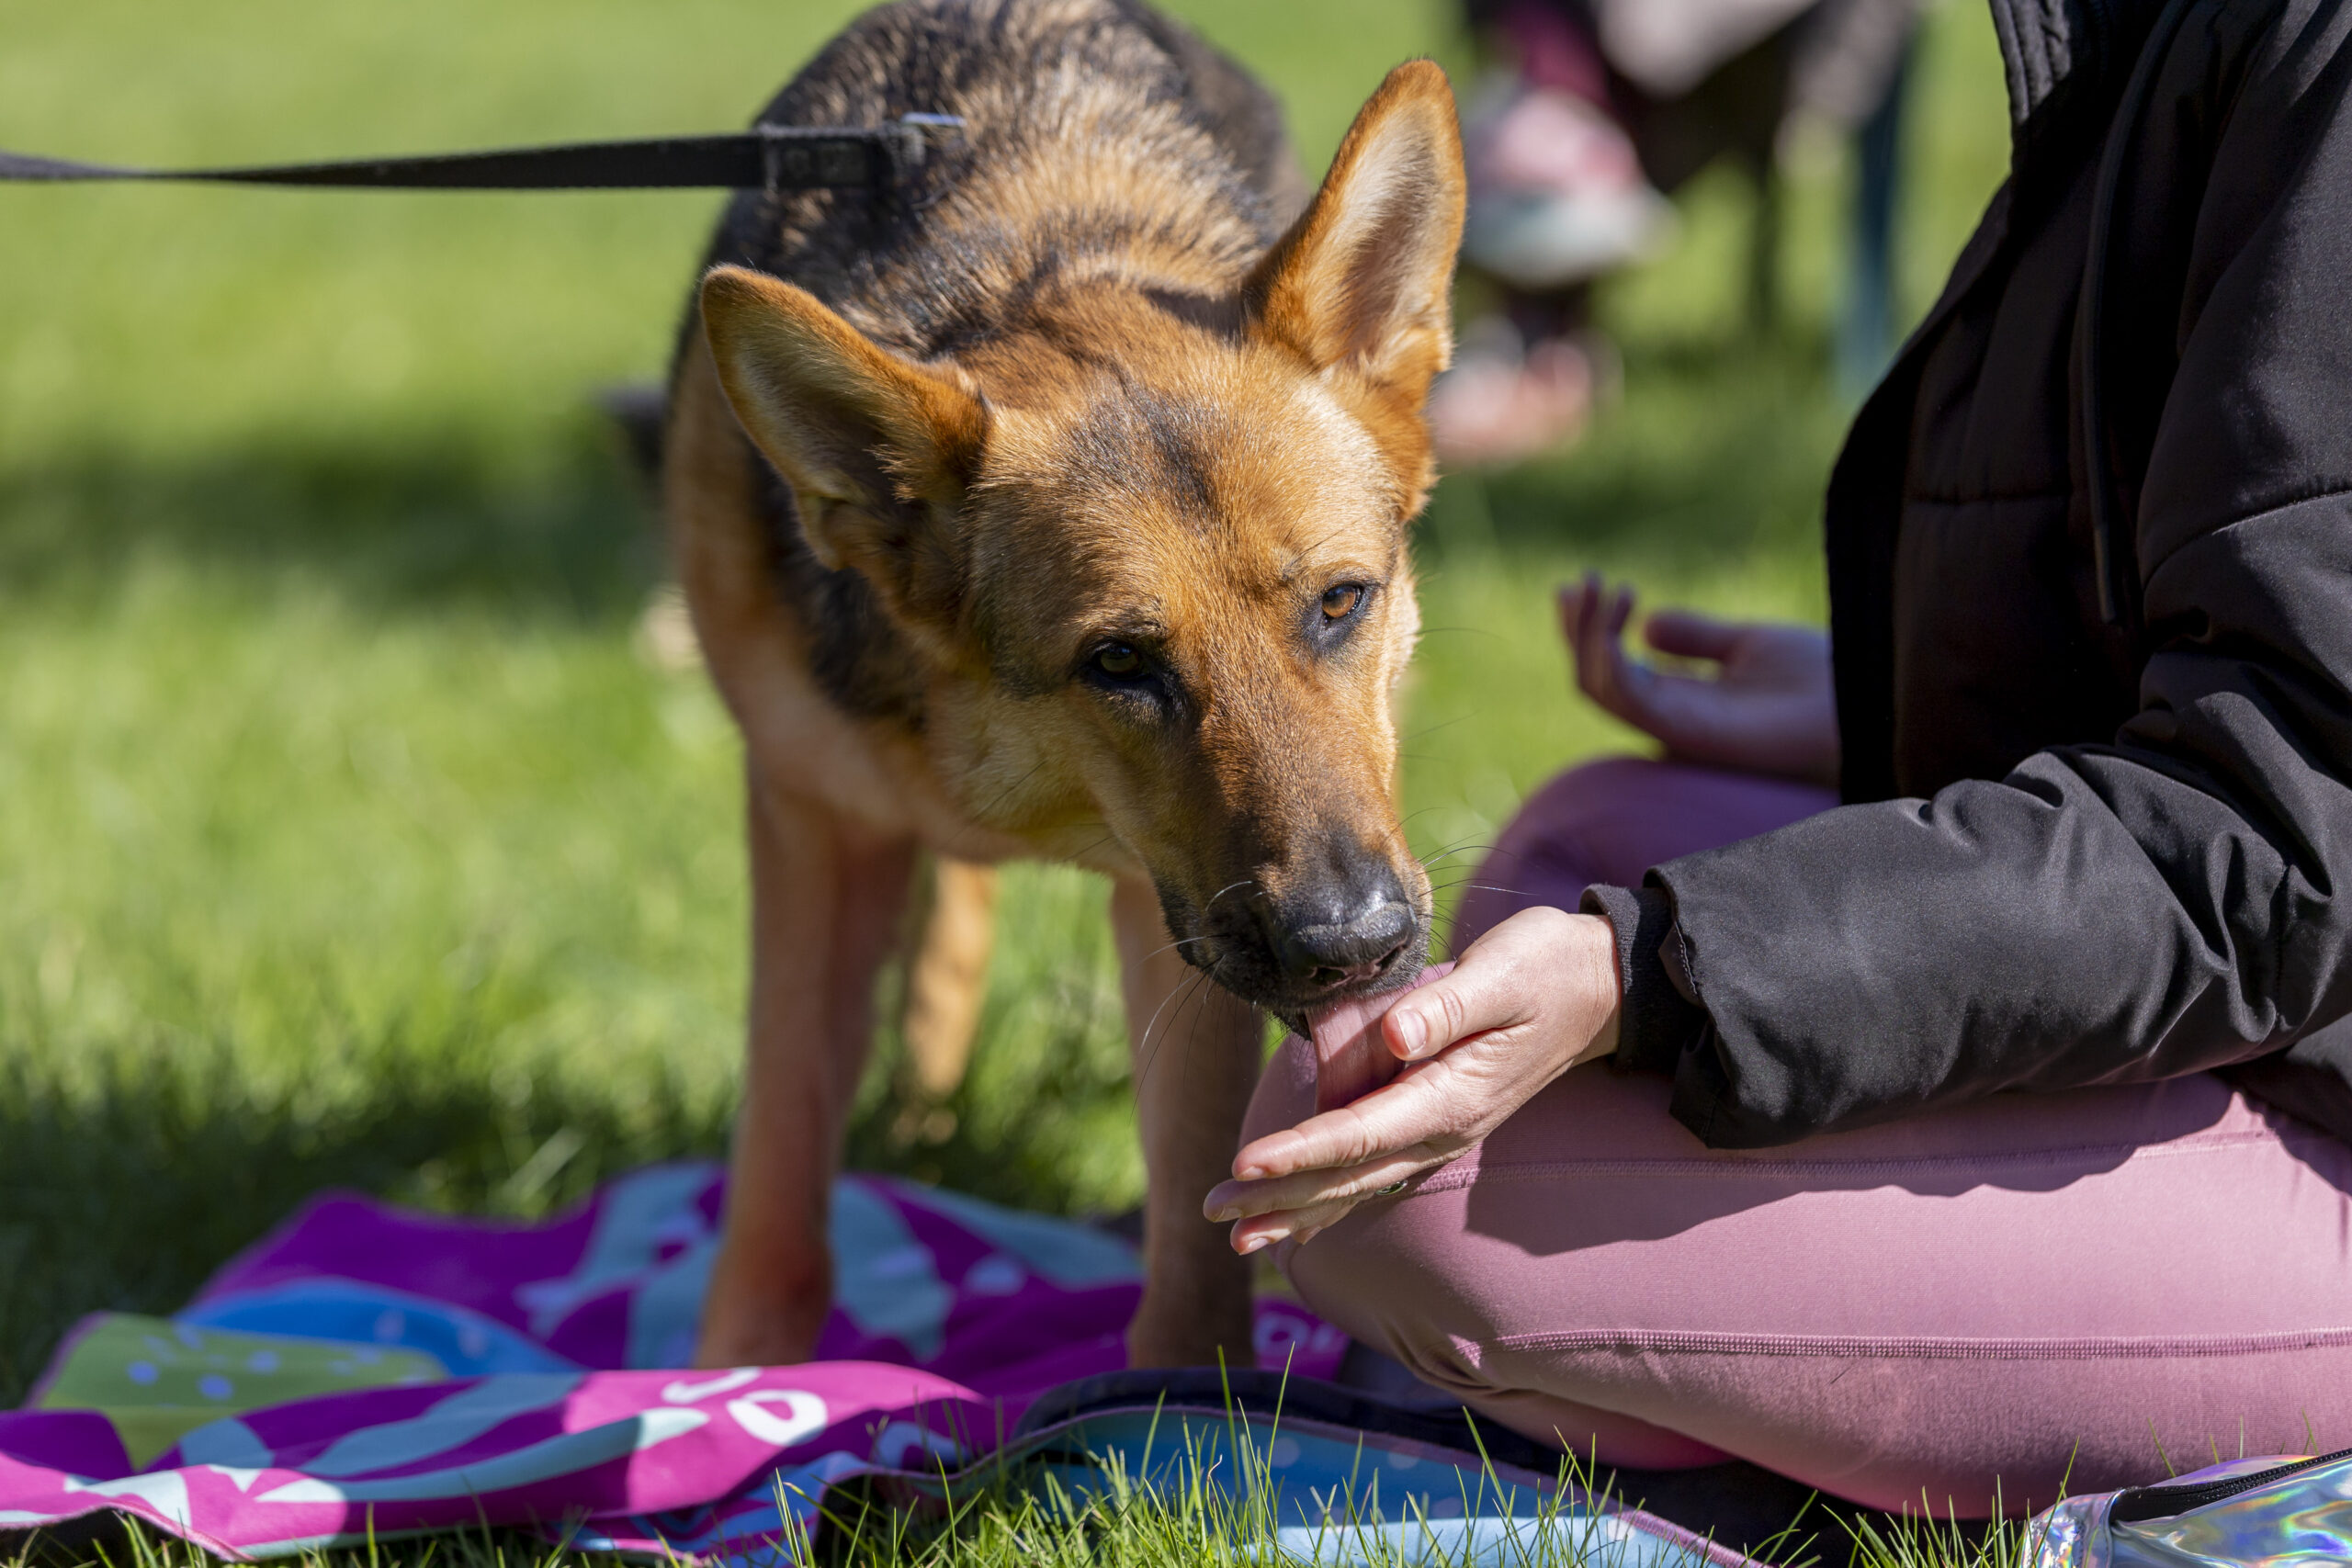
[1593,617]
[1385,1123]
[1303,1179]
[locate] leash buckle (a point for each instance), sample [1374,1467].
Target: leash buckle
[885,156]
[906,143]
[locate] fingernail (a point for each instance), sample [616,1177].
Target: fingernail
[1410,1032]
[1249,1172]
[1255,1244]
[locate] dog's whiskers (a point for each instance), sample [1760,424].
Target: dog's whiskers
[1462,847]
[1179,942]
[1433,729]
[1000,798]
[1143,1040]
[1148,1051]
[1244,882]
[1481,887]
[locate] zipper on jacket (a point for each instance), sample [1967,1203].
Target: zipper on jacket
[2163,1501]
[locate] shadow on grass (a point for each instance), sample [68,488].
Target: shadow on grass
[125,1182]
[129,1176]
[559,528]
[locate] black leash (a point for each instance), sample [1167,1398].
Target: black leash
[766,157]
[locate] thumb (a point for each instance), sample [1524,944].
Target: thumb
[1349,1061]
[1470,1000]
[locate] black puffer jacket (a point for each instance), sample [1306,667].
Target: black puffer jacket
[2091,564]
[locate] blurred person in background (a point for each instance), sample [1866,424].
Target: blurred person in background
[1593,109]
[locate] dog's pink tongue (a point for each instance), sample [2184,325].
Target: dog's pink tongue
[1350,1058]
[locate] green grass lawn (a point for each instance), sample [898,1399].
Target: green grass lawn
[347,834]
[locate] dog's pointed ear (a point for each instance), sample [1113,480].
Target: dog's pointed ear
[1364,278]
[878,451]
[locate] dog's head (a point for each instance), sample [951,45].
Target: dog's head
[1152,544]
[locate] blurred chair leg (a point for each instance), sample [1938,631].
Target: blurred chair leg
[948,974]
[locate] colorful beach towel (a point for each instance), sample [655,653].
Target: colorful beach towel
[368,1372]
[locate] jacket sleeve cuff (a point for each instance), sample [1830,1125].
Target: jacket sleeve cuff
[1659,1016]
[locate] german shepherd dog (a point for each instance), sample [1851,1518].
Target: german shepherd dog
[1055,504]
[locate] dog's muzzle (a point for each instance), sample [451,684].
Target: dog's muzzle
[1297,953]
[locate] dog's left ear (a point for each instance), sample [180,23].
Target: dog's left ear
[879,450]
[1364,280]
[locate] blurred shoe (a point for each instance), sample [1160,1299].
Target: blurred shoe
[1556,193]
[1504,401]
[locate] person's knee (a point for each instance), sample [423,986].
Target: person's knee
[1557,844]
[1387,1275]
[1565,817]
[1371,1274]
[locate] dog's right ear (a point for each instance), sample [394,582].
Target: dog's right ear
[878,451]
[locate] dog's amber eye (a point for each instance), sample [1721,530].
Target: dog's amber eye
[1341,603]
[1119,661]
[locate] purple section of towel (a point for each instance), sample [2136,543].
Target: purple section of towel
[570,1403]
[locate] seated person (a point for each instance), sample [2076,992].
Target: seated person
[1983,1128]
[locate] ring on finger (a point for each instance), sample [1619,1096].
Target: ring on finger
[1390,1190]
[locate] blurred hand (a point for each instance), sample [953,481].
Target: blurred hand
[1768,708]
[1530,999]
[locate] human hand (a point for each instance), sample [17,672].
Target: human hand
[1770,707]
[1407,1082]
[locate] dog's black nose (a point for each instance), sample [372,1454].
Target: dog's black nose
[1338,952]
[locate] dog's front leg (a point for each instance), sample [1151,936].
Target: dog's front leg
[825,909]
[1195,1056]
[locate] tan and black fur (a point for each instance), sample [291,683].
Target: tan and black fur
[1070,523]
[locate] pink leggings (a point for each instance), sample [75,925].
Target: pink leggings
[1970,1302]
